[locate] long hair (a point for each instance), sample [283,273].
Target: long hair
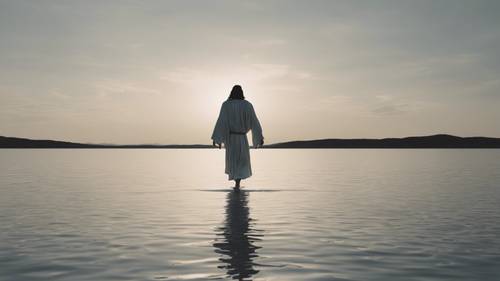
[236,93]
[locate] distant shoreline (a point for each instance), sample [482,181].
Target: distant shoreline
[433,141]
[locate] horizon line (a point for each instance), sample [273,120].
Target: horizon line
[266,145]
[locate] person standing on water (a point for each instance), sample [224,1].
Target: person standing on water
[236,118]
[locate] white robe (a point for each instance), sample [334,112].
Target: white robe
[237,116]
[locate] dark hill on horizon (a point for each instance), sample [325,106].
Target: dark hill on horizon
[433,141]
[9,142]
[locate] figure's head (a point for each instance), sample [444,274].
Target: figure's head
[236,93]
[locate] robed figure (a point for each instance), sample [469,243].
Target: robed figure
[236,118]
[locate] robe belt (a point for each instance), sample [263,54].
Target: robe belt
[237,133]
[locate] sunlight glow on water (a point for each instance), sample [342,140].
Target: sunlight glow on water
[305,215]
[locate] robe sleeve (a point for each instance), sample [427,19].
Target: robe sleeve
[221,130]
[257,136]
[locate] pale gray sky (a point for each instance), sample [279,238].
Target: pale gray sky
[157,71]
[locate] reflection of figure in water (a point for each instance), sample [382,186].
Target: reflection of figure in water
[236,118]
[235,240]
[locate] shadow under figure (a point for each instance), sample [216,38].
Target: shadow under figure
[236,118]
[235,239]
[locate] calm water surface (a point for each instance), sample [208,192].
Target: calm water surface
[305,215]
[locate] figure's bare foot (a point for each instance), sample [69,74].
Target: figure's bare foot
[237,186]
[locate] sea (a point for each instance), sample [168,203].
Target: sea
[305,214]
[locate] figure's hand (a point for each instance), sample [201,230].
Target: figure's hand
[218,144]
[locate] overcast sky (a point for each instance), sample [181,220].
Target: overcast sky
[157,71]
